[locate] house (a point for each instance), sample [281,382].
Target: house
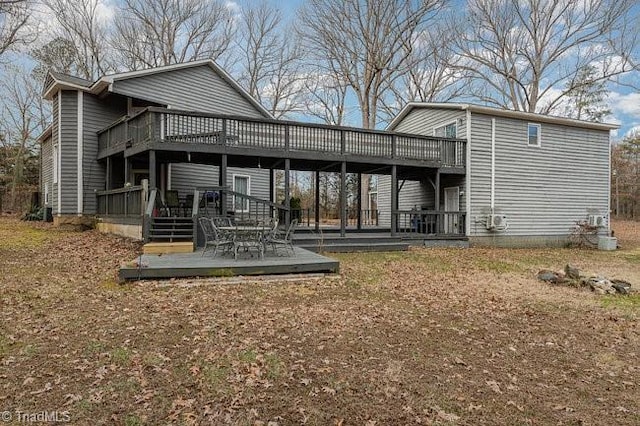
[528,177]
[120,149]
[73,172]
[120,146]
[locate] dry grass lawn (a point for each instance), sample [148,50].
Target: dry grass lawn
[432,336]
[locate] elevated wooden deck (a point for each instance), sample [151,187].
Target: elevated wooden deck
[305,144]
[180,265]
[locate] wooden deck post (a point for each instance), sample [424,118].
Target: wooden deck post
[287,193]
[439,217]
[272,189]
[109,174]
[359,202]
[152,169]
[394,200]
[317,200]
[223,184]
[343,199]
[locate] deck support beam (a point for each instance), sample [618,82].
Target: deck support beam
[272,190]
[109,174]
[359,202]
[223,183]
[287,191]
[437,202]
[343,199]
[394,200]
[317,201]
[153,171]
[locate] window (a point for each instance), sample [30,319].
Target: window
[55,164]
[447,131]
[241,185]
[534,134]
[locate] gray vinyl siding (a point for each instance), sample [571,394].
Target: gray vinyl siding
[542,190]
[46,175]
[194,89]
[97,114]
[422,121]
[187,176]
[413,194]
[68,178]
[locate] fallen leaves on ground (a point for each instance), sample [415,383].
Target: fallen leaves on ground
[429,336]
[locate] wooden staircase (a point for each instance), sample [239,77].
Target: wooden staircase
[170,235]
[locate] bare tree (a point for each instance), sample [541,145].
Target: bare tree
[269,59]
[434,74]
[85,24]
[367,44]
[14,16]
[625,182]
[22,118]
[325,97]
[522,53]
[152,33]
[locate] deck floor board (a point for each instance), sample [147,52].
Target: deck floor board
[180,265]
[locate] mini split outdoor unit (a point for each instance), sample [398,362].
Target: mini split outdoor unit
[596,220]
[496,222]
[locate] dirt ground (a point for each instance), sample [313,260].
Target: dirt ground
[430,336]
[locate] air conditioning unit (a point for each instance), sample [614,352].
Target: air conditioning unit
[496,222]
[597,220]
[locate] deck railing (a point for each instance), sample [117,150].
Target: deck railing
[165,125]
[122,202]
[431,222]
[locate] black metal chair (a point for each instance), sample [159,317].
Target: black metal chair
[173,202]
[276,240]
[212,237]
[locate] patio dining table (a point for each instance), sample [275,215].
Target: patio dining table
[247,237]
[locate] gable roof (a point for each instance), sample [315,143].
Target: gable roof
[58,81]
[539,118]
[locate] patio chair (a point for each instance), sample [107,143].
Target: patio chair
[173,202]
[277,240]
[212,237]
[187,206]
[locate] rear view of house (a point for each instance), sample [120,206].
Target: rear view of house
[529,177]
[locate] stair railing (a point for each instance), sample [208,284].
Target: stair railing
[148,215]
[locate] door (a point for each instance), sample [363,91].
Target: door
[451,204]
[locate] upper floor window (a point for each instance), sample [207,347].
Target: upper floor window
[447,131]
[534,134]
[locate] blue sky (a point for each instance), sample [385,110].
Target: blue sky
[623,101]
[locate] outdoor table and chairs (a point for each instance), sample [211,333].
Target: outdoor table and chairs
[247,237]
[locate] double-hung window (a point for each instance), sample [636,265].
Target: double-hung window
[533,133]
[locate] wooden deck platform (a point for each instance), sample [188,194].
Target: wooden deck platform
[180,265]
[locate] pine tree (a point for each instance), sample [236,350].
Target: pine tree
[586,96]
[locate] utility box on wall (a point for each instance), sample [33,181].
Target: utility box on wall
[607,243]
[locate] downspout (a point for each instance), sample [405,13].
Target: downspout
[493,164]
[59,165]
[609,192]
[468,176]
